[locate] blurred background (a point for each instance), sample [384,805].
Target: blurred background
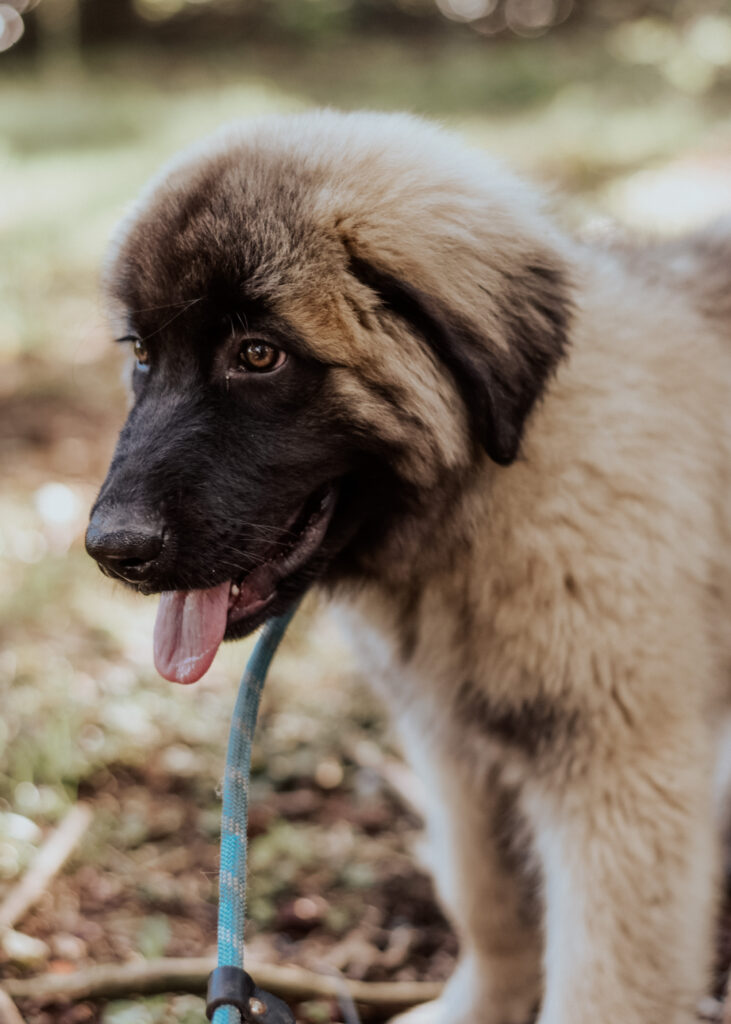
[621,104]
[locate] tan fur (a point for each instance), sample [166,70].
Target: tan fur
[568,648]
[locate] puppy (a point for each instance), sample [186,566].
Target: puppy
[366,359]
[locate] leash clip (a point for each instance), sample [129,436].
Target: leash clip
[232,986]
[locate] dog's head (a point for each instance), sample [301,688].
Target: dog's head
[332,319]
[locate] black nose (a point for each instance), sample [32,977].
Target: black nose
[125,542]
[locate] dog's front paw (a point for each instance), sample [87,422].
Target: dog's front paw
[468,998]
[434,1012]
[444,1011]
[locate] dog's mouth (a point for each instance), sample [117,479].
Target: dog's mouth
[191,624]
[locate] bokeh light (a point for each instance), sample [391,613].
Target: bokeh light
[11,26]
[466,10]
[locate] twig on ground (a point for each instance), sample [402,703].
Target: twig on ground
[191,976]
[345,999]
[49,860]
[9,1013]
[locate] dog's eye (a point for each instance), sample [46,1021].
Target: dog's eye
[141,353]
[140,349]
[260,357]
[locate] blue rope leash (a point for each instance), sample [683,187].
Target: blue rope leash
[232,995]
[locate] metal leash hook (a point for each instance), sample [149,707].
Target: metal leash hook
[233,996]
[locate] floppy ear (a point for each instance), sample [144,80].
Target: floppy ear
[501,369]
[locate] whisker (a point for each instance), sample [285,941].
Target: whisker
[167,305]
[252,563]
[268,528]
[167,323]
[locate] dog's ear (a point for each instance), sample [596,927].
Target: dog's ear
[502,368]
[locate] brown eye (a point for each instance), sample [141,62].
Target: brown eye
[141,353]
[260,357]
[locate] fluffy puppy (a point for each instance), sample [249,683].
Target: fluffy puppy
[366,359]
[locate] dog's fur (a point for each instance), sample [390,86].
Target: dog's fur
[532,543]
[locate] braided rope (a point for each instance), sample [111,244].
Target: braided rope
[232,876]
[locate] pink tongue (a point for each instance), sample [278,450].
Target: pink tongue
[188,631]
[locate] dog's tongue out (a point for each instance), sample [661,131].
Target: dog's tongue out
[188,631]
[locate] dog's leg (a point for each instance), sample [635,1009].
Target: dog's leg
[626,836]
[486,893]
